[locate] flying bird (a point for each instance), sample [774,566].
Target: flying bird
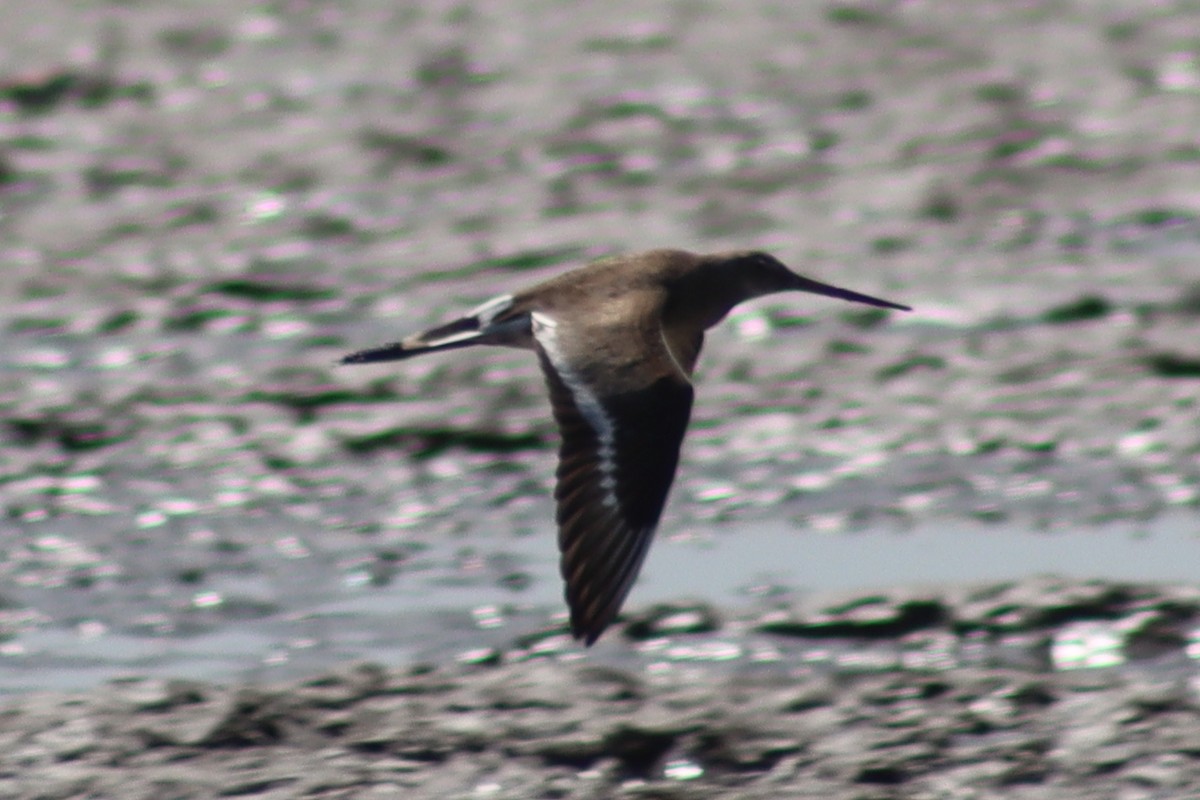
[617,341]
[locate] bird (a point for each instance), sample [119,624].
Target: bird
[617,341]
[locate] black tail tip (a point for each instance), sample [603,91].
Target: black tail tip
[388,352]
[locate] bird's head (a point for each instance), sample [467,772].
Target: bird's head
[756,273]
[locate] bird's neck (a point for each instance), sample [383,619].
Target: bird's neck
[702,299]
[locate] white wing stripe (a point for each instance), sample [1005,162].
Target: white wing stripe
[545,331]
[487,312]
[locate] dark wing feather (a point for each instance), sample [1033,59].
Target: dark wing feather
[610,495]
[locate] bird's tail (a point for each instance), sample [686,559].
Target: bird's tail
[478,327]
[460,333]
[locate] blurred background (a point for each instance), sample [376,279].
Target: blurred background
[202,205]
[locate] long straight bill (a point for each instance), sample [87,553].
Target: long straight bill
[816,287]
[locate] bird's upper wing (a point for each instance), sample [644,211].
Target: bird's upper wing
[620,446]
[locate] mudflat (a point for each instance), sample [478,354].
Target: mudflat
[203,205]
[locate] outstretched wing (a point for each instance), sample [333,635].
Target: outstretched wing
[617,460]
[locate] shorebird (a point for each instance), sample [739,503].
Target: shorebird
[617,340]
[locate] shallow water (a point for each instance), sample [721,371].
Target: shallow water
[450,603]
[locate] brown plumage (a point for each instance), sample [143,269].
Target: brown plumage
[617,340]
